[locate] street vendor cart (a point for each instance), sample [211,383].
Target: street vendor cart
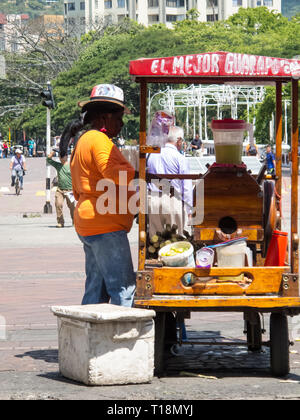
[233,199]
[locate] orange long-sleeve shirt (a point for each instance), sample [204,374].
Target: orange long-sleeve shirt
[95,167]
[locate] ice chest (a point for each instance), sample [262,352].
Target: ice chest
[105,344]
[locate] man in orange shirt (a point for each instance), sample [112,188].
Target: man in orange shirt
[96,163]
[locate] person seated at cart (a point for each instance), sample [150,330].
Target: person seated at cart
[197,146]
[170,202]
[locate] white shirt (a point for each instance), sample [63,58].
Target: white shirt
[16,164]
[170,161]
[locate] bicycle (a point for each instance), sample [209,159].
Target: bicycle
[18,182]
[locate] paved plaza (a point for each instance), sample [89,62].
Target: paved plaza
[41,266]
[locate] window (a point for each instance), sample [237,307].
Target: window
[108,4]
[71,6]
[171,18]
[152,3]
[82,5]
[96,4]
[121,4]
[121,18]
[268,2]
[236,3]
[258,2]
[212,3]
[108,19]
[212,18]
[82,21]
[175,3]
[153,19]
[14,47]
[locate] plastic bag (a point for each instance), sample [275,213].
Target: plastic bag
[159,128]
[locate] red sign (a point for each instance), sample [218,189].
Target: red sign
[216,64]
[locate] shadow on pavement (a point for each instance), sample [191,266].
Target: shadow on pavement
[48,356]
[56,376]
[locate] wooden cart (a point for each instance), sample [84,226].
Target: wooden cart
[273,290]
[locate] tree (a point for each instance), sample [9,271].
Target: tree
[103,57]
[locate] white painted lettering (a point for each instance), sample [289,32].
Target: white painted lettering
[229,63]
[178,65]
[276,66]
[206,63]
[197,66]
[188,64]
[260,66]
[215,63]
[252,65]
[154,66]
[162,67]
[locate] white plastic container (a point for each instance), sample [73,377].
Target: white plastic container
[232,256]
[249,254]
[228,139]
[184,259]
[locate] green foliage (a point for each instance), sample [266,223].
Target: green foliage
[257,20]
[253,31]
[31,7]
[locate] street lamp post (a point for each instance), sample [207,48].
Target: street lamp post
[48,102]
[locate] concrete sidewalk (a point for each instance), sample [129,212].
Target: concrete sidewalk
[41,266]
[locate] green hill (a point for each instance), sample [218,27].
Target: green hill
[32,7]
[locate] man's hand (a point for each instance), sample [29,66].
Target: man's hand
[51,154]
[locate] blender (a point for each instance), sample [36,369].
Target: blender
[228,139]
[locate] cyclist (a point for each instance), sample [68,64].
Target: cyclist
[17,166]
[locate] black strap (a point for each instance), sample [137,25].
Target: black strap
[19,163]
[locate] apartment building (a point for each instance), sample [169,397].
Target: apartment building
[83,15]
[8,35]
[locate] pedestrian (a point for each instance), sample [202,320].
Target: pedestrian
[0,149]
[121,142]
[97,161]
[30,147]
[34,148]
[5,149]
[17,166]
[64,188]
[197,146]
[176,202]
[270,160]
[251,149]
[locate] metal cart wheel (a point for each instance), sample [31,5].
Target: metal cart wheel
[254,333]
[159,343]
[279,344]
[165,337]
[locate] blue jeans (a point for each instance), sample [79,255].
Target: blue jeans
[109,270]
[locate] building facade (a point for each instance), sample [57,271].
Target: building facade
[9,40]
[83,15]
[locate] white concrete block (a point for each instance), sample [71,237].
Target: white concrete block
[105,344]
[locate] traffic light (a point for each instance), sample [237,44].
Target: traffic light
[47,96]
